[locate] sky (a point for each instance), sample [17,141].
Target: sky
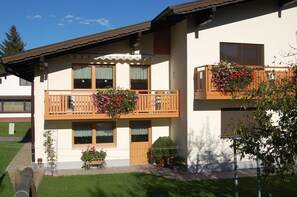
[44,22]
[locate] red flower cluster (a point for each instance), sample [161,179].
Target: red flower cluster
[115,101]
[231,77]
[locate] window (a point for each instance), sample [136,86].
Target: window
[243,54]
[14,105]
[23,82]
[140,131]
[99,133]
[93,76]
[139,76]
[230,117]
[82,77]
[104,77]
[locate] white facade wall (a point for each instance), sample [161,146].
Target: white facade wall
[58,76]
[239,24]
[10,86]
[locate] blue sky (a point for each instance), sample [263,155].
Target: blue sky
[43,22]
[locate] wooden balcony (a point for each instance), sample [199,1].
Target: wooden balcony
[205,89]
[78,105]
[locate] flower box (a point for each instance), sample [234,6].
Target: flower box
[93,158]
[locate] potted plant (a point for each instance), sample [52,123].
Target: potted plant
[230,77]
[162,149]
[92,157]
[115,101]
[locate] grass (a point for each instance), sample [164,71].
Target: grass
[21,129]
[139,184]
[7,152]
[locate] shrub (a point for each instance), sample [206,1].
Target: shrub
[162,148]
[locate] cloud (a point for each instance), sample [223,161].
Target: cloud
[37,16]
[69,16]
[83,21]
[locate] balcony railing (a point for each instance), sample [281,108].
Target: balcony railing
[205,89]
[78,105]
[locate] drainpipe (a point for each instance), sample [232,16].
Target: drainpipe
[32,122]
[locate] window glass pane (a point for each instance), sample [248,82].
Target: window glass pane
[104,77]
[139,78]
[82,77]
[28,106]
[23,82]
[13,106]
[139,132]
[82,134]
[0,105]
[104,132]
[230,118]
[250,55]
[230,53]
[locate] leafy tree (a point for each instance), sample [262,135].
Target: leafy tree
[12,44]
[272,134]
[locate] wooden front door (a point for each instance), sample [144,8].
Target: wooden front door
[140,142]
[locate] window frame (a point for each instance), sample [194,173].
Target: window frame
[23,101]
[93,126]
[241,46]
[148,76]
[93,75]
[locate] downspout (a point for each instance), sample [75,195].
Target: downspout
[32,122]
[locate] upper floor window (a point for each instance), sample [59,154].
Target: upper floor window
[24,82]
[93,76]
[243,54]
[82,77]
[139,77]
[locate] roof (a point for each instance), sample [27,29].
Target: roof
[22,64]
[75,43]
[191,7]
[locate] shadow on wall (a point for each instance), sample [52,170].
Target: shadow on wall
[207,152]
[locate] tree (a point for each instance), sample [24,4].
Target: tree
[272,135]
[13,43]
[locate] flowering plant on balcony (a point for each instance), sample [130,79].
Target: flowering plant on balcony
[91,154]
[230,77]
[115,101]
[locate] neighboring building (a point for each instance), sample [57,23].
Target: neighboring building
[165,58]
[15,99]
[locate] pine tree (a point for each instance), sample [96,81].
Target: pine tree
[13,43]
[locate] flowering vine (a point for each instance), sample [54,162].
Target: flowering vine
[115,101]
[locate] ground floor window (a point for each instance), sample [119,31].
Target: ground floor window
[231,117]
[15,105]
[95,133]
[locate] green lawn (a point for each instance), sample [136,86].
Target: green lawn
[138,184]
[21,129]
[7,152]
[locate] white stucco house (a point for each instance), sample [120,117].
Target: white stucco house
[165,61]
[15,99]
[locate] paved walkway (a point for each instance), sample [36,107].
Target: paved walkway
[159,171]
[23,160]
